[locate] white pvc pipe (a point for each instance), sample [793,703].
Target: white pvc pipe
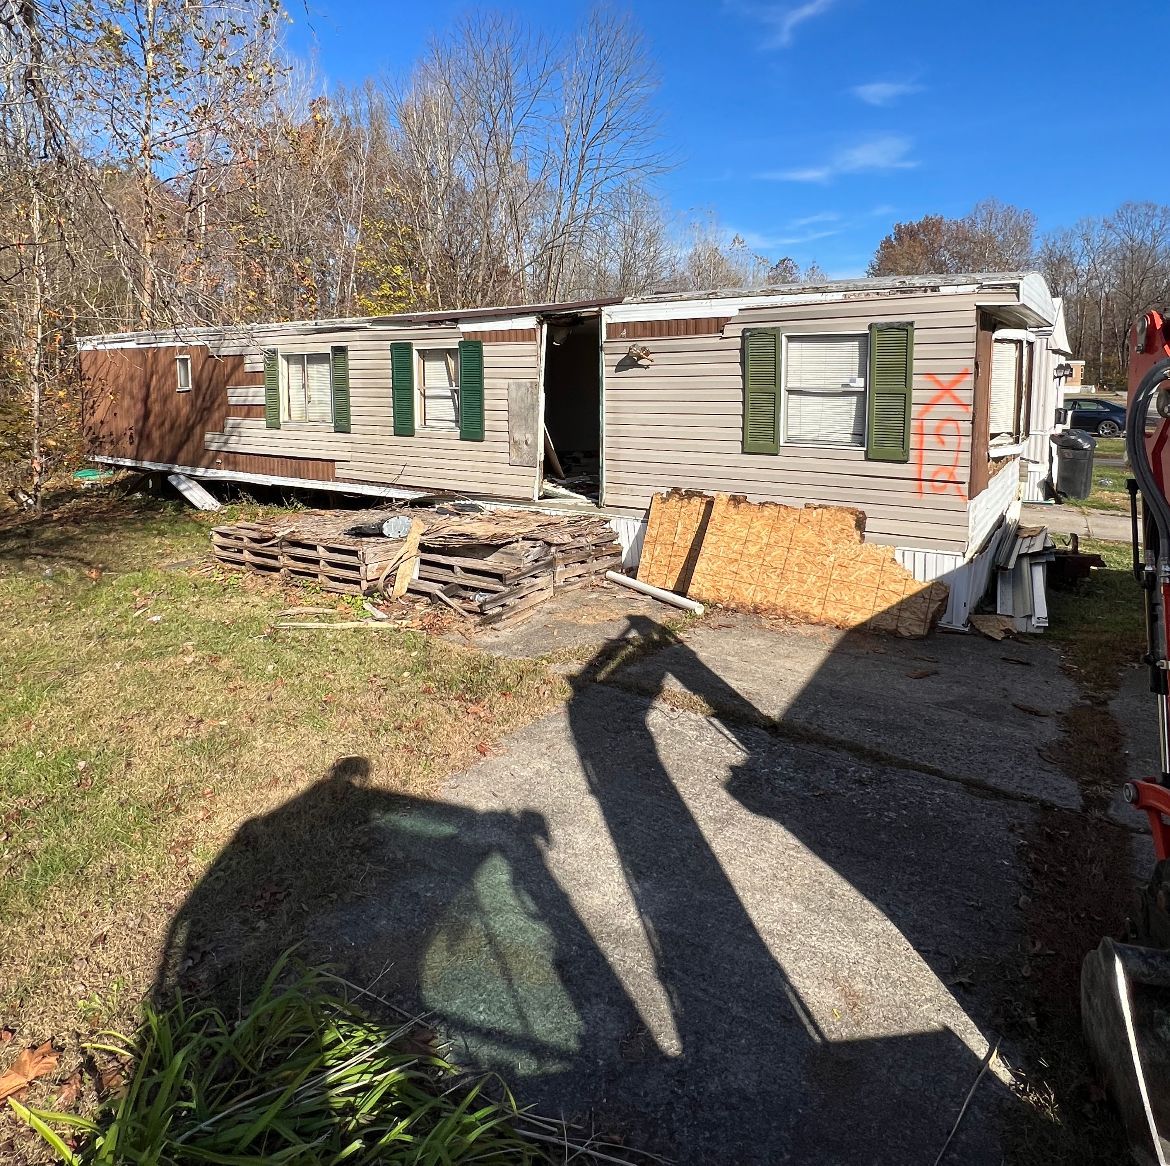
[658,593]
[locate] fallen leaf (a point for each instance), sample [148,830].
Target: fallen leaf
[70,1091]
[483,748]
[31,1064]
[922,673]
[6,1034]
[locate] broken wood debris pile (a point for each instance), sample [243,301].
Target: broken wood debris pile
[322,549]
[494,566]
[808,563]
[497,566]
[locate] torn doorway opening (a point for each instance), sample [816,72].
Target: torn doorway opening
[572,408]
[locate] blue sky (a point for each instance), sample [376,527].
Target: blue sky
[811,126]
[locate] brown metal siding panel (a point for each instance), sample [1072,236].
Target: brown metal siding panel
[310,469]
[254,411]
[132,409]
[653,329]
[505,336]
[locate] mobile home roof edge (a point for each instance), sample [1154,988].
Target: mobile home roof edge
[1029,288]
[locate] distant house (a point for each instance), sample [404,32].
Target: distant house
[916,400]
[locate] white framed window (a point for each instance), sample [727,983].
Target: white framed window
[824,381]
[1011,355]
[182,374]
[437,377]
[307,387]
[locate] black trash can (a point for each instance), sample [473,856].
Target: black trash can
[1074,462]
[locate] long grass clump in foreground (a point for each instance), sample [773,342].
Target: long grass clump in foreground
[304,1076]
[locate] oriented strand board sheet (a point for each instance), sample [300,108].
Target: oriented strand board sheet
[809,564]
[674,534]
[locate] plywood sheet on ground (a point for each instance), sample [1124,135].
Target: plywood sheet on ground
[810,564]
[674,534]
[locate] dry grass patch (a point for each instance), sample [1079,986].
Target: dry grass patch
[150,709]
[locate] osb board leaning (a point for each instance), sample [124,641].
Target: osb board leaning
[806,563]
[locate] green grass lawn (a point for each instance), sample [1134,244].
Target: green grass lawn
[149,708]
[1100,623]
[1111,447]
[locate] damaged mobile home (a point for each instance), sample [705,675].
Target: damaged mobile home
[924,402]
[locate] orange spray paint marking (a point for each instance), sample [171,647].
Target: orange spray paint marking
[944,433]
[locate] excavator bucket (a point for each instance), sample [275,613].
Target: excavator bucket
[1125,1010]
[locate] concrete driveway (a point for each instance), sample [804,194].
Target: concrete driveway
[747,900]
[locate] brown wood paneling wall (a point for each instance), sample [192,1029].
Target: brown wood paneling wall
[650,329]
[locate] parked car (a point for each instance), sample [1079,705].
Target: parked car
[1096,416]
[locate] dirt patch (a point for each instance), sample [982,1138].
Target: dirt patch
[1078,866]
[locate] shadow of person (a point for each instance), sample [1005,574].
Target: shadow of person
[440,909]
[747,915]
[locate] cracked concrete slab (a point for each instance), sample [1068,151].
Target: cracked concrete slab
[969,707]
[735,948]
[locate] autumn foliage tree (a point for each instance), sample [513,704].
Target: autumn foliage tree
[993,236]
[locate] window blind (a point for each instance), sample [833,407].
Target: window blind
[294,369]
[1005,381]
[440,388]
[824,381]
[319,393]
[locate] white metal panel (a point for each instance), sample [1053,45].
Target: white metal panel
[631,533]
[986,509]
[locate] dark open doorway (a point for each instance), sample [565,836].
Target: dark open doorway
[572,408]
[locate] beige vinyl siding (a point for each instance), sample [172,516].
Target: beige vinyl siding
[679,422]
[436,460]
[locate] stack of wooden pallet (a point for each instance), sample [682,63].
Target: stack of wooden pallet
[491,566]
[497,567]
[322,549]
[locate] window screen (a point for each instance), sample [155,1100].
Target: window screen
[439,388]
[824,390]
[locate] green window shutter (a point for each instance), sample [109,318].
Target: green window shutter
[471,390]
[339,360]
[891,388]
[402,377]
[761,391]
[271,388]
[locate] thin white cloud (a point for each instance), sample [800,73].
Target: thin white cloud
[765,241]
[878,155]
[812,220]
[884,92]
[788,22]
[781,20]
